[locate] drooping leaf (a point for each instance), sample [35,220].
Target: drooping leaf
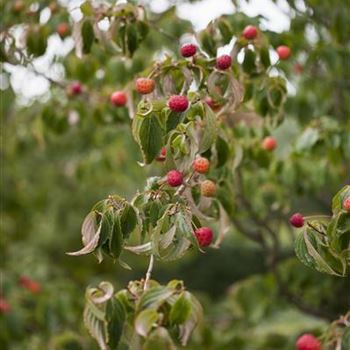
[181,309]
[88,36]
[154,297]
[115,318]
[210,130]
[150,137]
[159,339]
[145,321]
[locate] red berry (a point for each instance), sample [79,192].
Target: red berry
[211,103]
[188,50]
[18,6]
[178,103]
[76,88]
[250,32]
[223,62]
[174,178]
[283,52]
[269,143]
[201,165]
[204,236]
[298,68]
[5,307]
[119,99]
[208,188]
[63,29]
[297,220]
[308,342]
[145,85]
[346,204]
[30,284]
[162,155]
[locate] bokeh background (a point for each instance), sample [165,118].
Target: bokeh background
[52,174]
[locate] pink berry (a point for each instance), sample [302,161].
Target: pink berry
[250,32]
[211,103]
[346,204]
[76,88]
[269,143]
[145,85]
[178,103]
[283,52]
[188,50]
[118,98]
[174,178]
[204,236]
[223,62]
[162,155]
[297,220]
[27,283]
[5,307]
[308,342]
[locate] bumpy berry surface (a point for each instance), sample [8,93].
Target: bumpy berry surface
[201,165]
[223,62]
[174,178]
[145,85]
[346,204]
[297,220]
[283,52]
[308,342]
[250,32]
[208,188]
[178,103]
[118,98]
[162,155]
[204,236]
[269,143]
[188,50]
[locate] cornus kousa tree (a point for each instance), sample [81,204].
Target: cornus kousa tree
[209,118]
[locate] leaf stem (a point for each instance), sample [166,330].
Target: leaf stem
[149,271]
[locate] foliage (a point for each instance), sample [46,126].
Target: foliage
[72,141]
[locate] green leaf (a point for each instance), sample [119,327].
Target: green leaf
[90,235]
[159,339]
[306,249]
[154,297]
[192,321]
[132,38]
[88,36]
[148,133]
[107,223]
[37,40]
[307,139]
[115,317]
[128,220]
[210,130]
[145,321]
[339,198]
[116,240]
[180,310]
[225,30]
[223,151]
[265,57]
[86,8]
[249,61]
[94,312]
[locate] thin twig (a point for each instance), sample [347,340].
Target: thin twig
[149,271]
